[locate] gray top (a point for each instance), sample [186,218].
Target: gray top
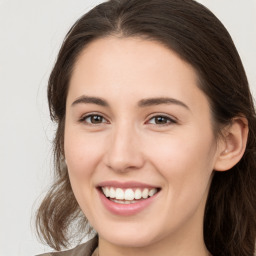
[86,249]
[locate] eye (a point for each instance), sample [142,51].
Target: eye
[93,119]
[161,120]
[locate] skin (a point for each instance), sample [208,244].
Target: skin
[127,144]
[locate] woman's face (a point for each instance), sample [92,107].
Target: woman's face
[138,127]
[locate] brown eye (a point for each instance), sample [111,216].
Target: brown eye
[161,120]
[94,119]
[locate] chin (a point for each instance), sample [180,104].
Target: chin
[130,241]
[130,238]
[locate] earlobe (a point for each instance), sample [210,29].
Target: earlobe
[232,145]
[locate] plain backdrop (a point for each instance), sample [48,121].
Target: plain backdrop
[31,32]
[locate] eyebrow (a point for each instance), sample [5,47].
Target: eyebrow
[87,99]
[159,101]
[142,103]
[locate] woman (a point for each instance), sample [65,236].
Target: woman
[155,145]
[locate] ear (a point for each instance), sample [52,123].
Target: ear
[232,144]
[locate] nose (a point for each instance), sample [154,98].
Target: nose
[124,152]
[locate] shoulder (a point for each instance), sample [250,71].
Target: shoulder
[85,249]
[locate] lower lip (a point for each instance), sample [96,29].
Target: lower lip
[126,209]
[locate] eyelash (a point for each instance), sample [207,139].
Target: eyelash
[168,120]
[83,119]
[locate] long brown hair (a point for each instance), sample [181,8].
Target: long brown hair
[199,38]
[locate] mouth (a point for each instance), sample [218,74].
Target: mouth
[128,195]
[127,198]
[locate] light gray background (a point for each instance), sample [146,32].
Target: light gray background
[31,32]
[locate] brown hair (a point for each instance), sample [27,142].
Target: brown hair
[199,38]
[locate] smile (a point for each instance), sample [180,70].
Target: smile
[128,195]
[127,198]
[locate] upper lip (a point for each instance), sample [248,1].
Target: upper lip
[127,184]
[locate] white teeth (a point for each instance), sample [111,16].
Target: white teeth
[137,194]
[128,194]
[123,202]
[112,193]
[120,194]
[107,192]
[145,193]
[152,191]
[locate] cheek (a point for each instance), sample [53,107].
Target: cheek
[187,170]
[184,161]
[82,152]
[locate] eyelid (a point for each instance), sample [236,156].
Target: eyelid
[172,119]
[87,115]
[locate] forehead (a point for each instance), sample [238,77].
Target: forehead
[129,54]
[134,67]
